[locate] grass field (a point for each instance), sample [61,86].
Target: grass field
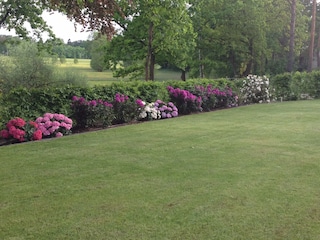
[106,77]
[244,173]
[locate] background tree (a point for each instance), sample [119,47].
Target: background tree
[312,34]
[98,50]
[154,30]
[292,34]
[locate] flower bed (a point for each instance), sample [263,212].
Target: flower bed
[97,113]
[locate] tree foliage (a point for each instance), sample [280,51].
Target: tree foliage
[154,32]
[92,15]
[17,15]
[99,47]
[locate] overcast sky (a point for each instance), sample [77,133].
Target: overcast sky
[62,27]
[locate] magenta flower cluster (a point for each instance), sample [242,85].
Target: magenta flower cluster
[93,103]
[54,125]
[140,103]
[183,94]
[185,101]
[120,98]
[167,110]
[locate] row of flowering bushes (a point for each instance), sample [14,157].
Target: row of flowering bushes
[92,113]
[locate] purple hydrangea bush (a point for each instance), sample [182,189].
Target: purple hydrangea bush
[184,100]
[93,113]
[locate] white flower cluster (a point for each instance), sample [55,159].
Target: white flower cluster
[255,89]
[150,112]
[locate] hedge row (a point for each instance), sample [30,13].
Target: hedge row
[295,86]
[29,104]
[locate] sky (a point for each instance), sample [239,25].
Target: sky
[61,26]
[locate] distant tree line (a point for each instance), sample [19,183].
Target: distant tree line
[78,49]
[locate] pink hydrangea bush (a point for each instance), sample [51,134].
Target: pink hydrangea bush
[54,125]
[18,130]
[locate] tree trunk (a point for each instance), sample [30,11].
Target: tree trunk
[183,74]
[150,58]
[151,66]
[313,27]
[249,66]
[318,50]
[201,67]
[292,36]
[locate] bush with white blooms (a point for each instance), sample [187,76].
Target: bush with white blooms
[255,89]
[157,110]
[150,112]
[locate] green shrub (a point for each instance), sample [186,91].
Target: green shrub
[281,85]
[152,91]
[298,85]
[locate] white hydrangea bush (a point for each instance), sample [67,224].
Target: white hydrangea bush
[150,112]
[255,89]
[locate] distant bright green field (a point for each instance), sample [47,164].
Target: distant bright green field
[106,77]
[243,173]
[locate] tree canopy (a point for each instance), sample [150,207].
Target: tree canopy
[93,15]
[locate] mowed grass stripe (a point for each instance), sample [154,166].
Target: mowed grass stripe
[243,173]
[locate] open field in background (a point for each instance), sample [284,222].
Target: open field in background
[106,77]
[243,173]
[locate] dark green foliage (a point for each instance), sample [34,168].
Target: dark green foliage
[152,91]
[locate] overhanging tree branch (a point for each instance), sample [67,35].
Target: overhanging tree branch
[3,19]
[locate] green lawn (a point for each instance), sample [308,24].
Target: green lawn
[106,77]
[244,173]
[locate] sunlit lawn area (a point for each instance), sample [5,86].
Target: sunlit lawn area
[106,77]
[243,173]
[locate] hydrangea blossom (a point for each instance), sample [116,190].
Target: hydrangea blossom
[20,130]
[54,125]
[149,112]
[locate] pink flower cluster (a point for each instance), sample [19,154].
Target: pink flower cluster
[93,103]
[166,110]
[21,130]
[54,124]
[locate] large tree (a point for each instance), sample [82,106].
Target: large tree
[155,32]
